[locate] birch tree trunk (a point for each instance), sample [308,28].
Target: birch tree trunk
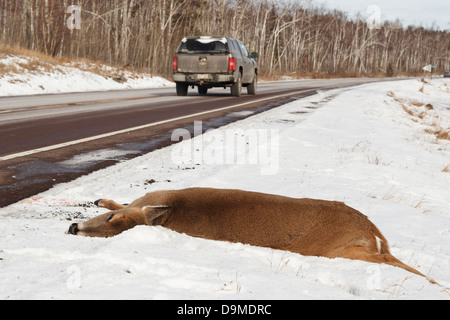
[291,37]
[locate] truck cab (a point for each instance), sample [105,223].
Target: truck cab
[208,62]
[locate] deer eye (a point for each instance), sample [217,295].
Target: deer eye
[110,217]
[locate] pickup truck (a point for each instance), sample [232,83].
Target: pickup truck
[208,62]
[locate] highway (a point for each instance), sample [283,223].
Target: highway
[39,133]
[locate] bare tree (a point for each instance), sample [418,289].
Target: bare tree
[291,37]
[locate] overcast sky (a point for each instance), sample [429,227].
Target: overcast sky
[415,12]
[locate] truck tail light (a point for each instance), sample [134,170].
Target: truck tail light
[232,64]
[175,64]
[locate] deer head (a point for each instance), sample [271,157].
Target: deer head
[115,222]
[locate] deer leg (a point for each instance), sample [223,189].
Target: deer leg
[109,204]
[367,254]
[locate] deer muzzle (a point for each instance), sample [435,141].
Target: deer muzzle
[73,229]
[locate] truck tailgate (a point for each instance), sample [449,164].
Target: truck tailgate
[197,63]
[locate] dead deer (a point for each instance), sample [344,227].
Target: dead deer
[306,226]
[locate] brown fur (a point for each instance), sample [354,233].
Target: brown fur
[306,226]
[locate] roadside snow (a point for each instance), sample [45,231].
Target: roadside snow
[376,147]
[27,76]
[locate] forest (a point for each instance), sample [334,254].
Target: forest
[295,38]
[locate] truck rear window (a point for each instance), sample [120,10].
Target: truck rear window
[195,46]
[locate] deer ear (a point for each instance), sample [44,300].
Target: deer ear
[153,212]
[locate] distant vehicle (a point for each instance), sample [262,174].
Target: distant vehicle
[208,62]
[447,74]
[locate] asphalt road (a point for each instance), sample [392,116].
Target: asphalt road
[40,133]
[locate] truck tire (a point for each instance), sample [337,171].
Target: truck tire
[251,89]
[202,90]
[236,88]
[182,89]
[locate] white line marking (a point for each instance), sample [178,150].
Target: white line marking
[106,135]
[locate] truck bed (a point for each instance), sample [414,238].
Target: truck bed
[206,63]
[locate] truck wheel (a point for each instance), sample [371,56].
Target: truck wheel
[251,89]
[236,88]
[202,90]
[182,89]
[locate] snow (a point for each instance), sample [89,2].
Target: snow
[23,75]
[374,146]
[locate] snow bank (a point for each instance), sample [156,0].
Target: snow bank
[373,147]
[25,76]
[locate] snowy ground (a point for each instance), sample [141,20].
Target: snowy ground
[376,147]
[23,75]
